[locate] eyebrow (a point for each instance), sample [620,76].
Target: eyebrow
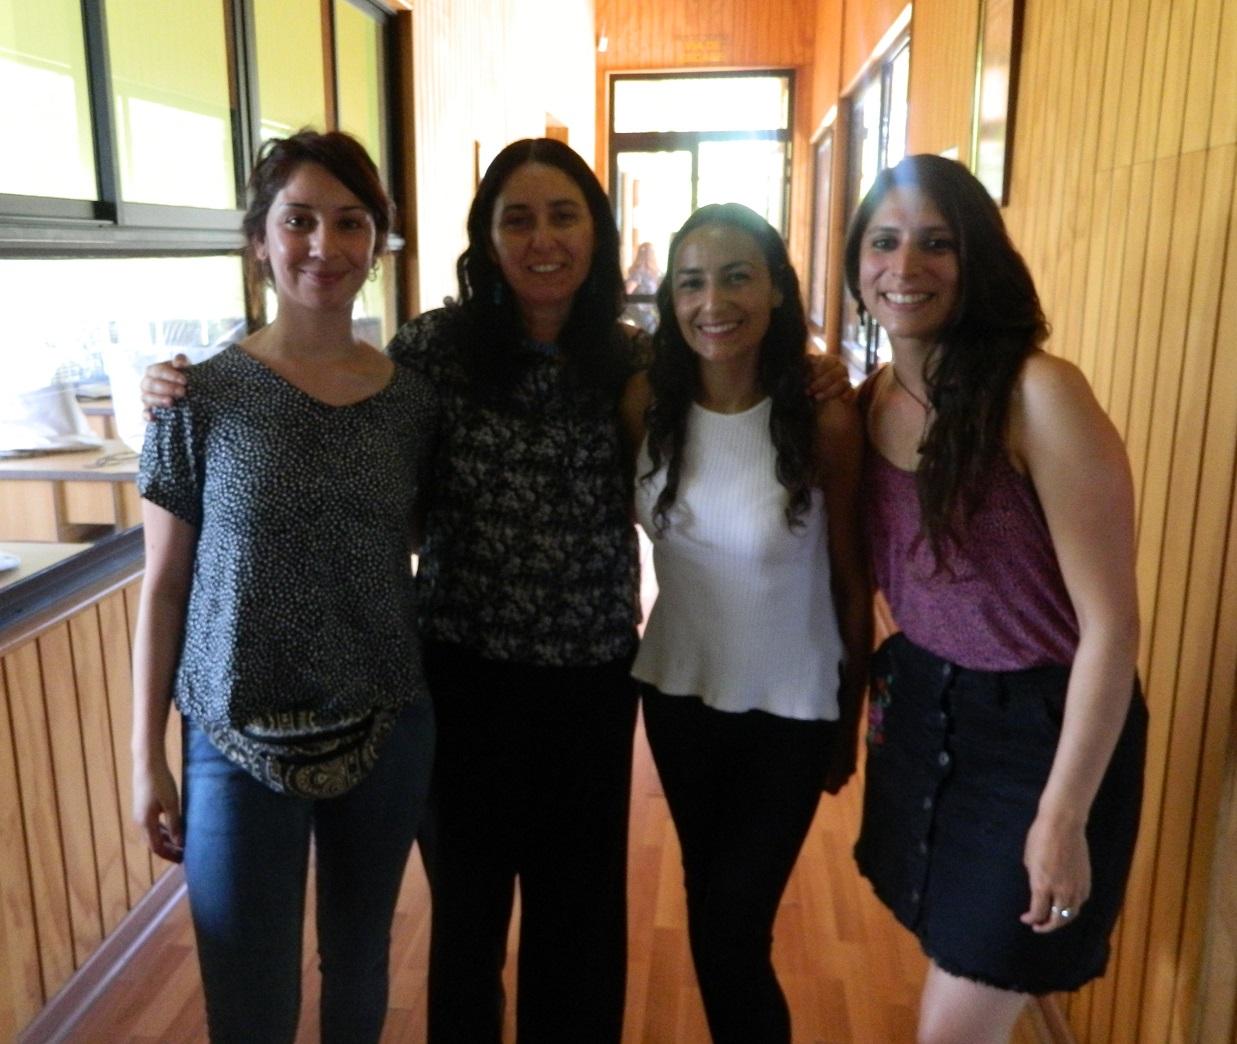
[565,202]
[310,206]
[729,266]
[918,228]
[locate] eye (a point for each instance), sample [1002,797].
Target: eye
[739,277]
[566,217]
[688,283]
[883,242]
[299,222]
[939,244]
[517,221]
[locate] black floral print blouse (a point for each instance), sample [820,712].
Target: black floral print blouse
[529,551]
[300,643]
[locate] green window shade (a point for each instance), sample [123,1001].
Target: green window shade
[173,108]
[291,78]
[45,115]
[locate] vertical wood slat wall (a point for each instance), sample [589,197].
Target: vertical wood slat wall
[72,864]
[1124,169]
[773,34]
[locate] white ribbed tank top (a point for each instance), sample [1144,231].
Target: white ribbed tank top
[744,616]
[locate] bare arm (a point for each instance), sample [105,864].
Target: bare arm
[840,434]
[1075,458]
[156,648]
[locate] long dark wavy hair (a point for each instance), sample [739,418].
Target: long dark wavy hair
[782,373]
[997,322]
[493,342]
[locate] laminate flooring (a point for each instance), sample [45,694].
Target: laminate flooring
[851,974]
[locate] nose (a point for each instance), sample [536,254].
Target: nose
[323,242]
[905,259]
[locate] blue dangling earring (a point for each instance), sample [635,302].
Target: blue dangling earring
[498,294]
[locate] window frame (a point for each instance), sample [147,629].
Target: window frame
[40,228]
[861,354]
[690,141]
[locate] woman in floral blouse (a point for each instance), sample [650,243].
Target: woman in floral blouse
[528,586]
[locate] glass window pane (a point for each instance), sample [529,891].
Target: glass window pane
[899,90]
[43,63]
[701,103]
[173,105]
[291,79]
[653,198]
[358,77]
[126,313]
[749,172]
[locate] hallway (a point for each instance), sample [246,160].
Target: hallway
[851,974]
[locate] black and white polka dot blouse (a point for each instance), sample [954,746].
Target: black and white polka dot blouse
[300,642]
[529,552]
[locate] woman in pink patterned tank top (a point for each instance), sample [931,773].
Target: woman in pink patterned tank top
[1005,748]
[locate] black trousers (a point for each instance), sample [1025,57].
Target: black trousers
[742,791]
[532,781]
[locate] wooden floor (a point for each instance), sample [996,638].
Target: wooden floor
[850,973]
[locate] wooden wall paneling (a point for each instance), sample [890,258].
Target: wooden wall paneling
[1148,340]
[1041,142]
[1204,74]
[1151,90]
[69,769]
[1224,103]
[1211,668]
[90,678]
[943,66]
[1139,892]
[1115,63]
[1175,78]
[1137,12]
[21,986]
[1137,221]
[1069,222]
[139,862]
[40,815]
[1114,187]
[1170,499]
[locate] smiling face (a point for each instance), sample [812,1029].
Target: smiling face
[319,241]
[908,267]
[723,293]
[541,235]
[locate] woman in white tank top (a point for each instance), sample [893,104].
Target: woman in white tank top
[754,657]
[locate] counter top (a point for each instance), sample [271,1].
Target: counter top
[120,463]
[35,557]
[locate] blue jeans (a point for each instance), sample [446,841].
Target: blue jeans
[246,862]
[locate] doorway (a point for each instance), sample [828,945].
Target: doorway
[678,142]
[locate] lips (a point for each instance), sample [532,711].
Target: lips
[716,329]
[906,299]
[546,269]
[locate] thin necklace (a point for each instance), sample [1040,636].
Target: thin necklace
[926,406]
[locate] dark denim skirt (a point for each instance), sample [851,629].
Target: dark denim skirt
[957,760]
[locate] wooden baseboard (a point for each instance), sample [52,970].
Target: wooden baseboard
[66,1009]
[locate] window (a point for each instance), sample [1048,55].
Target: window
[877,139]
[679,142]
[120,233]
